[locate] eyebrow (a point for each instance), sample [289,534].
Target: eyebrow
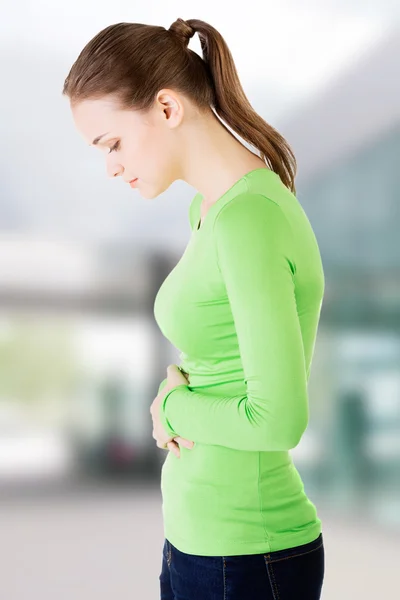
[98,138]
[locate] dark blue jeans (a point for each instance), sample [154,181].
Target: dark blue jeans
[293,574]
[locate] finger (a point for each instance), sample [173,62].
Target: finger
[183,442]
[174,448]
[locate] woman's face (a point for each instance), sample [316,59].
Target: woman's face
[134,144]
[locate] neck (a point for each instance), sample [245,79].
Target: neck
[214,158]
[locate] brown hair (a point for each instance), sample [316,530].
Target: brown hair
[133,61]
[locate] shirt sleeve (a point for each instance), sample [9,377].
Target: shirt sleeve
[254,249]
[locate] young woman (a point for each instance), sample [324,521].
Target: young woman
[242,305]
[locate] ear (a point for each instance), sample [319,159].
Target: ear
[171,107]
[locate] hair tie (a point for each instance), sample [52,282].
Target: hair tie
[183,30]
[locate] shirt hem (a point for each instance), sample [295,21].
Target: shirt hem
[282,541]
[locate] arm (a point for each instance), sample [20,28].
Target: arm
[254,251]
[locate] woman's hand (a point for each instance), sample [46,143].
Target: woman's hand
[175,377]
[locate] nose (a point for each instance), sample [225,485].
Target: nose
[114,170]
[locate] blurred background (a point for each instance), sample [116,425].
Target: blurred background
[82,257]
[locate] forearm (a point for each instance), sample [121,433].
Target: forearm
[235,421]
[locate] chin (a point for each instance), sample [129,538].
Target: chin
[149,193]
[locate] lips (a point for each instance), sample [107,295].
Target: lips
[133,182]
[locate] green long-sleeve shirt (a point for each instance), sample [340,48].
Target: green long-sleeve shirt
[243,306]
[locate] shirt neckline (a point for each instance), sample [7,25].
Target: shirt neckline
[199,226]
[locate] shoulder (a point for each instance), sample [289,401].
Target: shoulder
[252,214]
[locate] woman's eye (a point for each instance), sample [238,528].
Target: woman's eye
[115,147]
